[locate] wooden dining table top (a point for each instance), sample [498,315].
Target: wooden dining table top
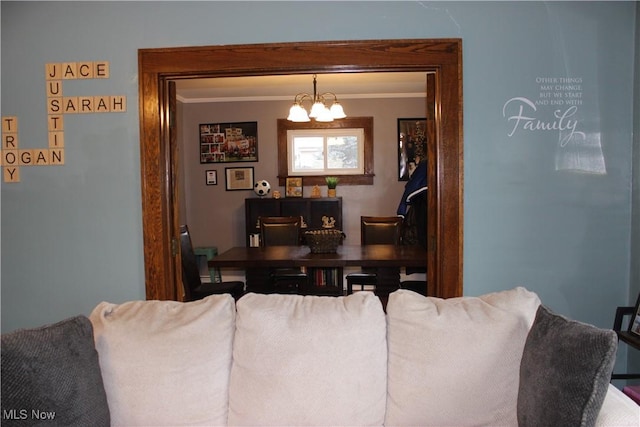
[301,256]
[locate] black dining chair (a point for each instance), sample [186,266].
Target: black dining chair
[193,287]
[376,230]
[279,230]
[283,231]
[419,286]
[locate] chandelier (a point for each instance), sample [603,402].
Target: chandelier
[319,110]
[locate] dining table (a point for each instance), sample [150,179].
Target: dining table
[256,261]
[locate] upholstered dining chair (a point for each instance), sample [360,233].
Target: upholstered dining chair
[283,231]
[376,230]
[279,230]
[193,287]
[380,230]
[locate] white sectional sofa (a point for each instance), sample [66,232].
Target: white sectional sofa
[501,359]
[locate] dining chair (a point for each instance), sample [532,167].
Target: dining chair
[376,230]
[380,230]
[279,230]
[419,286]
[194,288]
[283,231]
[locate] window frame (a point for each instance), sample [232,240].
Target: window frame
[325,135]
[364,123]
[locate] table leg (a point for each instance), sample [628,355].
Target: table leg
[258,281]
[388,280]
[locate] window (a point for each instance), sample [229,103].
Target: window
[314,150]
[325,151]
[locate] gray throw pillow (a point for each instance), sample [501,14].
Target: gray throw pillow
[565,371]
[51,376]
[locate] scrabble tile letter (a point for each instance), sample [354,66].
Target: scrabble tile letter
[26,158]
[85,104]
[54,88]
[9,124]
[11,174]
[10,158]
[101,69]
[55,123]
[53,71]
[102,104]
[41,157]
[70,104]
[56,156]
[85,70]
[56,139]
[118,104]
[54,105]
[9,141]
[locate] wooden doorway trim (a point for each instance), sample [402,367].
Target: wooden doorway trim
[441,56]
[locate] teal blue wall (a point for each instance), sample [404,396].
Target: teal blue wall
[556,219]
[635,220]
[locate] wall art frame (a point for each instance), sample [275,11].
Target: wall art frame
[228,142]
[634,323]
[293,186]
[239,178]
[412,145]
[211,177]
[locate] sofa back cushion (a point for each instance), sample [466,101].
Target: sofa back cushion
[308,360]
[166,363]
[456,361]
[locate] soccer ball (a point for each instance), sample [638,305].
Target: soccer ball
[262,188]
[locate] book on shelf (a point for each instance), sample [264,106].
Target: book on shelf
[326,277]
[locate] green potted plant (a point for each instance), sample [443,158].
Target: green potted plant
[332,183]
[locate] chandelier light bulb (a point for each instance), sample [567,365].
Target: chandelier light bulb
[317,109]
[324,115]
[337,112]
[298,114]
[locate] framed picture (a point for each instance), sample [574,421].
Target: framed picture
[634,325]
[412,146]
[239,178]
[229,142]
[294,187]
[211,177]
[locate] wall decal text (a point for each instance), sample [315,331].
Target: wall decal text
[561,95]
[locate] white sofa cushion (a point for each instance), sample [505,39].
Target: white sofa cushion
[308,360]
[166,363]
[618,410]
[456,361]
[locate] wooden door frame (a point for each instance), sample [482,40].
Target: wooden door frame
[445,195]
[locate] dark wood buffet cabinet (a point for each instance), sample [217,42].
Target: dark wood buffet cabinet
[311,209]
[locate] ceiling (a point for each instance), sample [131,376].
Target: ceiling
[285,87]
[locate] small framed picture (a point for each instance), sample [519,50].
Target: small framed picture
[412,146]
[239,178]
[212,177]
[294,187]
[634,325]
